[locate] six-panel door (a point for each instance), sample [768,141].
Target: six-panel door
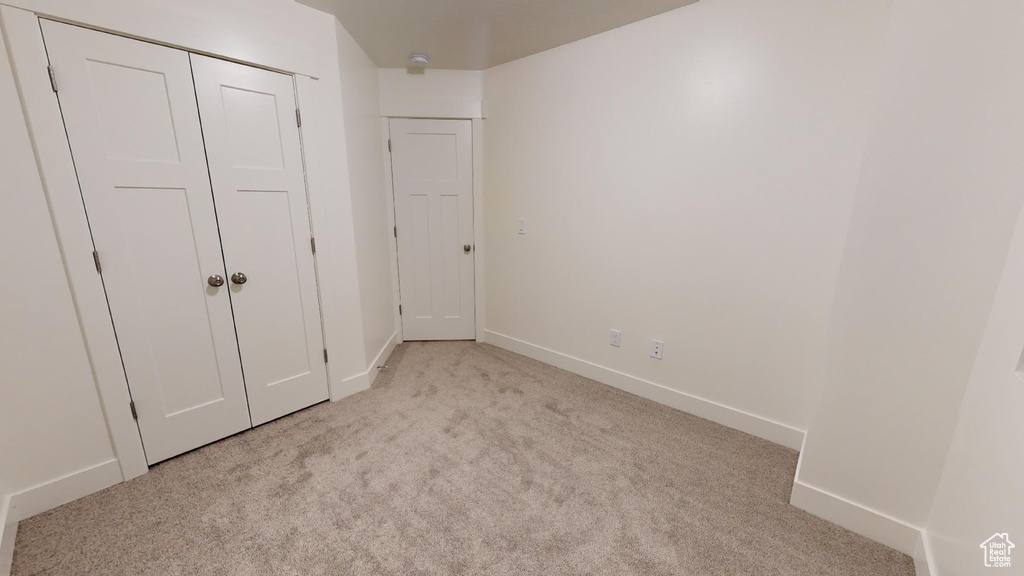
[432,166]
[132,121]
[252,145]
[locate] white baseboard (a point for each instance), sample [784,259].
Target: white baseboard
[8,532]
[865,521]
[836,509]
[49,495]
[382,357]
[349,386]
[363,380]
[744,421]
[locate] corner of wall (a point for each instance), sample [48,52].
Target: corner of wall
[861,519]
[923,563]
[380,361]
[48,495]
[364,380]
[855,517]
[8,532]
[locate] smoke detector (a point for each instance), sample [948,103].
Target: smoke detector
[419,59]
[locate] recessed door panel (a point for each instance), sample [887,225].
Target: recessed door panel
[252,143]
[133,125]
[433,182]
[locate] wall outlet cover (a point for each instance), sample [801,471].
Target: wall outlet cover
[616,338]
[657,349]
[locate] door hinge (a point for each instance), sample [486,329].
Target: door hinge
[53,78]
[396,231]
[389,139]
[325,355]
[96,261]
[135,414]
[399,309]
[298,118]
[312,244]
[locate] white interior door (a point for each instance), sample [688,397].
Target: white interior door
[133,125]
[432,166]
[252,144]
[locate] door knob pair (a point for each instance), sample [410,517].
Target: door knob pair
[218,280]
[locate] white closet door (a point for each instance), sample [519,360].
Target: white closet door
[432,166]
[252,144]
[133,125]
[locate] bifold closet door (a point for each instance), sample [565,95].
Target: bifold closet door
[252,146]
[133,125]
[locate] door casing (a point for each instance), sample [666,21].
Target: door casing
[430,168]
[478,217]
[145,186]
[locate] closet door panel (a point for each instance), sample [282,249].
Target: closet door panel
[133,125]
[252,144]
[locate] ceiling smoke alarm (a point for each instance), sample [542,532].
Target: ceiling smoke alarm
[419,59]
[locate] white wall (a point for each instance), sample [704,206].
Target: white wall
[429,93]
[51,423]
[938,199]
[687,178]
[980,491]
[360,94]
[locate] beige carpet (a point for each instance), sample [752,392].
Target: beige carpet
[463,459]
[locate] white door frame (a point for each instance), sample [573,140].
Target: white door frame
[478,218]
[60,183]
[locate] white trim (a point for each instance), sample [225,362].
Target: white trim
[478,227]
[389,195]
[47,496]
[331,222]
[453,109]
[60,183]
[54,493]
[863,520]
[349,386]
[373,370]
[170,27]
[477,144]
[363,380]
[731,417]
[8,533]
[304,101]
[924,564]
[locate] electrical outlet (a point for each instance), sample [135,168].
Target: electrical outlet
[522,226]
[657,348]
[616,339]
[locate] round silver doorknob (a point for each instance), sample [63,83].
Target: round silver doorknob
[215,280]
[239,278]
[467,248]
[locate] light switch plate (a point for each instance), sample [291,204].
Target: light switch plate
[522,226]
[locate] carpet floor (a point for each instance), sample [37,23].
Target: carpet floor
[462,459]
